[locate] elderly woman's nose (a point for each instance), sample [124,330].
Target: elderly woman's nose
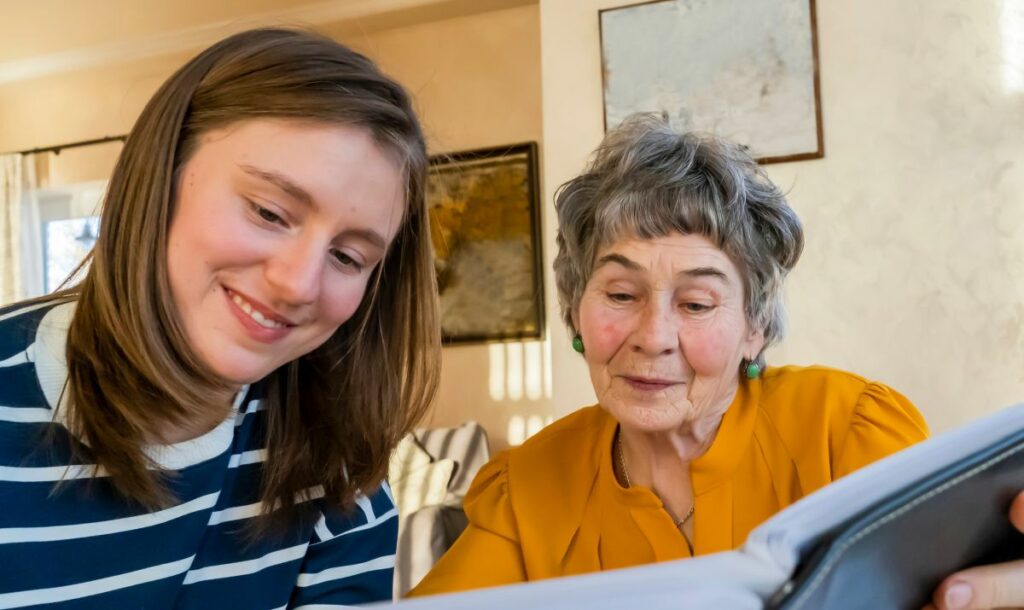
[656,331]
[295,272]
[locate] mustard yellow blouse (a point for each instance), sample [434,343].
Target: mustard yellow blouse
[553,507]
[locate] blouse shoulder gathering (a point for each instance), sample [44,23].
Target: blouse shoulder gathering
[487,503]
[560,461]
[858,420]
[883,422]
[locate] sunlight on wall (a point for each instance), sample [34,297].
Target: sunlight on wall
[516,430]
[520,370]
[534,423]
[532,378]
[547,370]
[514,370]
[1011,25]
[497,376]
[521,427]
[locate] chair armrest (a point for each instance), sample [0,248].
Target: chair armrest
[422,538]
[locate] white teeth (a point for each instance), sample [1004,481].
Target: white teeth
[255,315]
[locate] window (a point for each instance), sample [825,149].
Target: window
[68,224]
[65,243]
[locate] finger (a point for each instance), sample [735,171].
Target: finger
[1017,512]
[995,586]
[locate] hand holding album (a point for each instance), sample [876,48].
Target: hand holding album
[998,585]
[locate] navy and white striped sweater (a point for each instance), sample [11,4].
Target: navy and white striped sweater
[78,546]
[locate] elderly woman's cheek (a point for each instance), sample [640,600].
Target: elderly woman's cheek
[711,351]
[604,332]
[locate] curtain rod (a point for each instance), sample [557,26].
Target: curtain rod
[56,149]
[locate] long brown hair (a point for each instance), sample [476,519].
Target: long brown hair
[333,415]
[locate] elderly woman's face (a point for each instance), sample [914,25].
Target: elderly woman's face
[664,328]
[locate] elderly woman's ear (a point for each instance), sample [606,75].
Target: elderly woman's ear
[575,315]
[754,344]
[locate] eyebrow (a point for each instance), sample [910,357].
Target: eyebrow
[711,272]
[632,265]
[368,235]
[620,260]
[302,196]
[282,182]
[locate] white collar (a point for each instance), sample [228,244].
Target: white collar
[49,354]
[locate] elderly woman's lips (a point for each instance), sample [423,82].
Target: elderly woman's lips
[649,384]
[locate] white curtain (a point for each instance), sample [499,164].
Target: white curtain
[20,251]
[31,229]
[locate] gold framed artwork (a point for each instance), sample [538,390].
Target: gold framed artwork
[485,227]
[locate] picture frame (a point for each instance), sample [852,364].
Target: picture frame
[745,70]
[485,227]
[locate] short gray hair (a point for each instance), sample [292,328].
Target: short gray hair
[646,180]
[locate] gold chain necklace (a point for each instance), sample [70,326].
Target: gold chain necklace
[625,475]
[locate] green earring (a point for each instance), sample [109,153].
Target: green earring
[753,370]
[577,344]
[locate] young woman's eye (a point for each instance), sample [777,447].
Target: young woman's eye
[266,215]
[346,261]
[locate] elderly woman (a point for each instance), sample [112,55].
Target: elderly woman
[672,253]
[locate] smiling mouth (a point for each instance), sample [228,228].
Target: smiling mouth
[259,315]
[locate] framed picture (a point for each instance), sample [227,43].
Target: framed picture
[746,70]
[485,225]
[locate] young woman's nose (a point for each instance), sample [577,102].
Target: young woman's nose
[295,271]
[656,332]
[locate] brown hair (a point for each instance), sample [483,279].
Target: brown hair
[333,415]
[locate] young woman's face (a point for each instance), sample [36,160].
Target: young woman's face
[277,227]
[664,327]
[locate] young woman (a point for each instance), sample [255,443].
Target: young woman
[205,420]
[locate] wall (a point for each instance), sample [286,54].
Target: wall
[913,272]
[480,87]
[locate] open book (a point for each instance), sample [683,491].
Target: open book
[882,537]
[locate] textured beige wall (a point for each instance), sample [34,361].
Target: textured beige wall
[914,268]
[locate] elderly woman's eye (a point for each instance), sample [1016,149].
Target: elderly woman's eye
[620,297]
[696,307]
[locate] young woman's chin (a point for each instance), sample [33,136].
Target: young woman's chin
[241,371]
[239,365]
